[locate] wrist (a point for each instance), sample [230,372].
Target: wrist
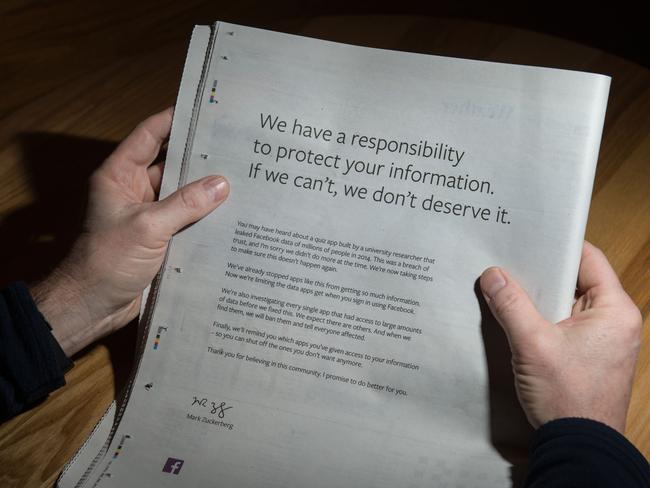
[63,299]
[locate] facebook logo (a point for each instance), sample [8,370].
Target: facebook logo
[173,466]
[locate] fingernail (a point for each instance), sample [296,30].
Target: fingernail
[492,281]
[217,188]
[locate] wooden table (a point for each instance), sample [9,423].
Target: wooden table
[77,76]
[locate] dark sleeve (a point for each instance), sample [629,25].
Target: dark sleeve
[578,453]
[32,363]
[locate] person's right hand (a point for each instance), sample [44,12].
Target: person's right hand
[584,365]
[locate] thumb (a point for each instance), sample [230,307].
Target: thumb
[510,305]
[190,203]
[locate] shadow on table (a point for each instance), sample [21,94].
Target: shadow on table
[510,431]
[35,238]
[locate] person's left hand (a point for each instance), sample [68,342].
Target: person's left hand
[98,287]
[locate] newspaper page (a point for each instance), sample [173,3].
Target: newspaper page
[322,328]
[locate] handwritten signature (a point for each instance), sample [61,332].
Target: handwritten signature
[215,408]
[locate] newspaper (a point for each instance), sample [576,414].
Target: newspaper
[323,328]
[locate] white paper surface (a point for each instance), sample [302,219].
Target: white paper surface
[368,364]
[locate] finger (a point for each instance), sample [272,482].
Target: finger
[190,203]
[155,173]
[595,271]
[141,146]
[510,305]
